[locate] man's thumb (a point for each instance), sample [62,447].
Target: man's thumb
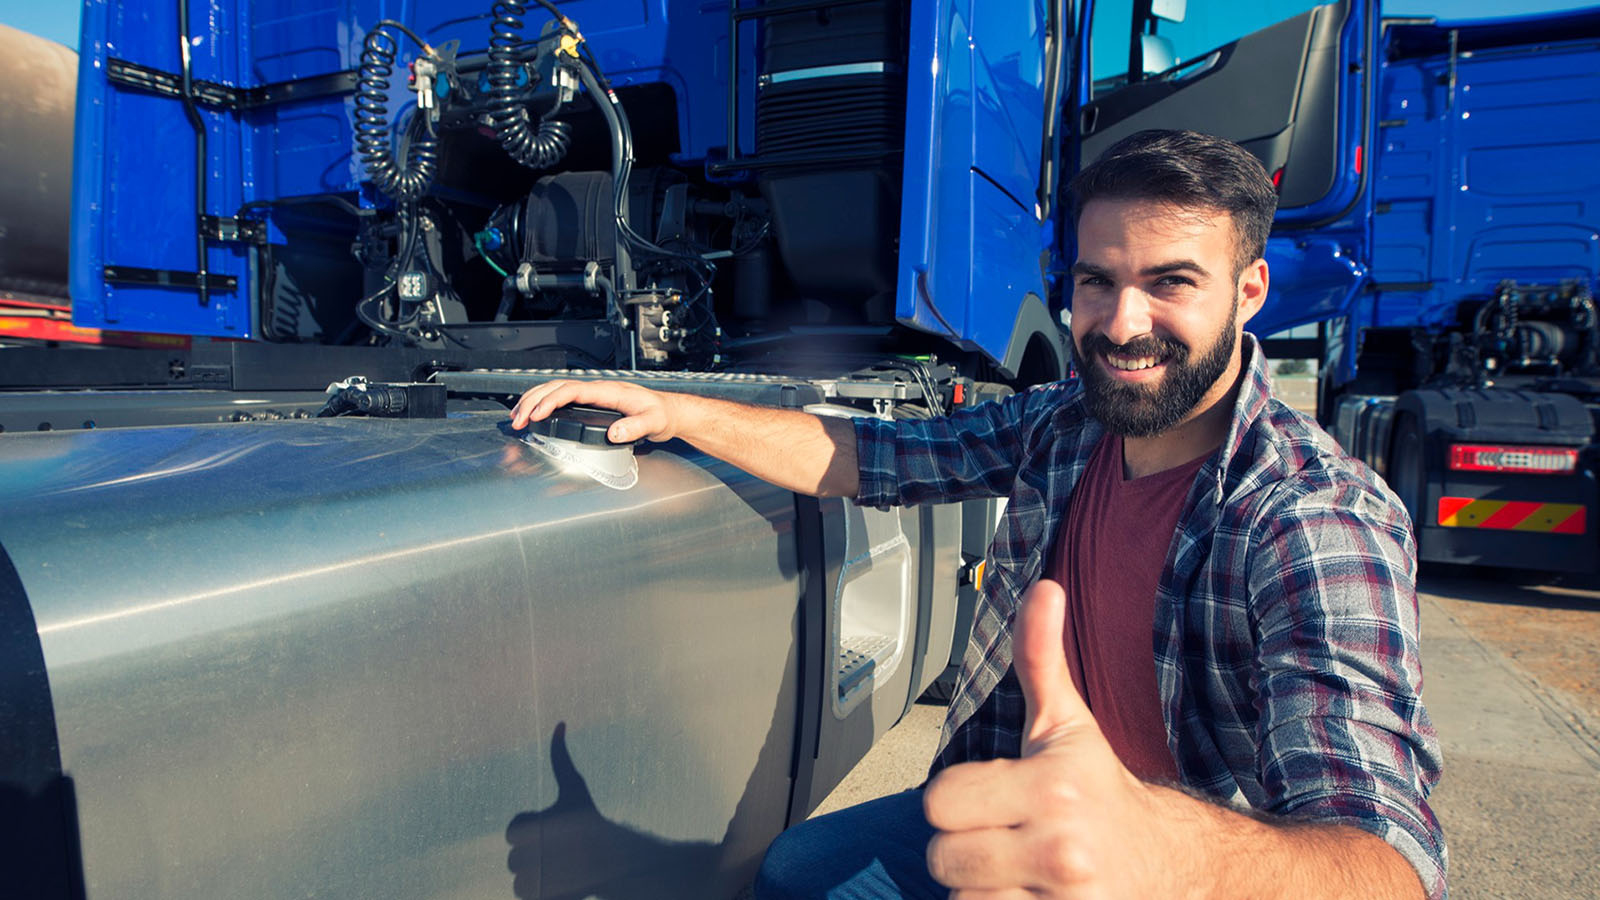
[1040,659]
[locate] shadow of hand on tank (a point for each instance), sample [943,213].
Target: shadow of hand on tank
[569,850]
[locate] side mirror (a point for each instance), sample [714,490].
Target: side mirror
[1168,10]
[1157,53]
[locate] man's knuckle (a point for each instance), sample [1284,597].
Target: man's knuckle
[1064,860]
[1058,795]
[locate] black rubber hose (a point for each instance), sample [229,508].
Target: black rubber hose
[538,148]
[406,180]
[622,168]
[407,247]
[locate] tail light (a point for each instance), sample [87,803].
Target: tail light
[1503,458]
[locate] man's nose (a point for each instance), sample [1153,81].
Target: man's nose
[1130,318]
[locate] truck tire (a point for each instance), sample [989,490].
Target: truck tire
[1406,474]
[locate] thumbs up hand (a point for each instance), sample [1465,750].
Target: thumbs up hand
[1065,820]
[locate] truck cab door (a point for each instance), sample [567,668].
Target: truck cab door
[981,133]
[1287,79]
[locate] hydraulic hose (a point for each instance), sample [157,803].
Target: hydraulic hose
[621,163]
[538,148]
[409,179]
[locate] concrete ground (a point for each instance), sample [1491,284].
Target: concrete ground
[1520,798]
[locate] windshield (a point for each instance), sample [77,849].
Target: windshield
[1205,27]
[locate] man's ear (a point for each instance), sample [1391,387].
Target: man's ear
[1253,283]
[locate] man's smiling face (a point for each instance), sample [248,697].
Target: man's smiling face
[1156,311]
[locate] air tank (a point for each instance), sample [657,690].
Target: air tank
[41,79]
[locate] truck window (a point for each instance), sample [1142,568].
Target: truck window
[1188,36]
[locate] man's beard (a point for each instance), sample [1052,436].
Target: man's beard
[1139,411]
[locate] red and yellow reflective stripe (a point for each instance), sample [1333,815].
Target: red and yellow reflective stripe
[1512,515]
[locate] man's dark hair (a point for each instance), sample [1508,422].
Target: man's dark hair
[1186,169]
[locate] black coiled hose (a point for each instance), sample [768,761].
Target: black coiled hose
[508,118]
[402,181]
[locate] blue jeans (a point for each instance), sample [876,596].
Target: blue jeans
[874,851]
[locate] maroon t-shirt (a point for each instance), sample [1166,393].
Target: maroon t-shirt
[1109,559]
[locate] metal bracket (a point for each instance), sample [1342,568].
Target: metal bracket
[154,81]
[209,93]
[234,229]
[331,84]
[167,278]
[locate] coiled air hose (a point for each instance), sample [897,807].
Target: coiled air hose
[402,181]
[508,117]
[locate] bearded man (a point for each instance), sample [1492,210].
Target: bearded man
[1194,667]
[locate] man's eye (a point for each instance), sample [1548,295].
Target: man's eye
[1175,281]
[1093,281]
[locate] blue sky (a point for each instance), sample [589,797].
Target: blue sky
[58,19]
[54,19]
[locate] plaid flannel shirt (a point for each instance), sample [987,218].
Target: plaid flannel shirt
[1286,625]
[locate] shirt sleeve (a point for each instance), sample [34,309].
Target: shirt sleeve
[1343,735]
[970,453]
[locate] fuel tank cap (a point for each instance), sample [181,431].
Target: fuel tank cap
[584,425]
[574,438]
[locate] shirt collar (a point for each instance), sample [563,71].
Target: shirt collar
[1255,389]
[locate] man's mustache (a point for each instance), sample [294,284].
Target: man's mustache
[1144,345]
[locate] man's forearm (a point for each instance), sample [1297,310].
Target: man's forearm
[792,449]
[1232,855]
[805,453]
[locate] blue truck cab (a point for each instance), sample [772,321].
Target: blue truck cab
[851,186]
[1465,370]
[675,185]
[666,185]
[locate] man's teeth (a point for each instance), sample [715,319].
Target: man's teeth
[1132,363]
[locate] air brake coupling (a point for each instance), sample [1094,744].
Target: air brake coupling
[423,73]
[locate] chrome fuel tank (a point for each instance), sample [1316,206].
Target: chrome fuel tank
[407,659]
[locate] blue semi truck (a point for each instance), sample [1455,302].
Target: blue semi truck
[258,651]
[833,206]
[1466,368]
[1450,271]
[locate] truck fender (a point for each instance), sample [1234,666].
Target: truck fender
[1039,350]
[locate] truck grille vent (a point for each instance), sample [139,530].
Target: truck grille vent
[826,116]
